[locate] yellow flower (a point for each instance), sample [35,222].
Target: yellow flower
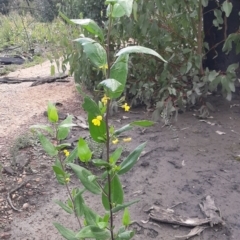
[105,66]
[126,107]
[67,180]
[127,139]
[115,141]
[97,121]
[105,99]
[66,152]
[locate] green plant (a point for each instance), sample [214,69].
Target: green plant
[108,185]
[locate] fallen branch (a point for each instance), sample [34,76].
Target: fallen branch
[212,213]
[37,80]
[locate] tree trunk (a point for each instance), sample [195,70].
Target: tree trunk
[215,58]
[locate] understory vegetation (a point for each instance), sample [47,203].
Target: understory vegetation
[174,29]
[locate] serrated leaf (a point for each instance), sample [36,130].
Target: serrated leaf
[65,232]
[131,159]
[48,147]
[139,49]
[83,175]
[116,193]
[91,26]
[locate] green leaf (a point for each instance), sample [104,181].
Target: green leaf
[64,128]
[101,163]
[135,9]
[139,49]
[72,156]
[117,11]
[64,206]
[120,207]
[131,159]
[116,193]
[52,113]
[227,7]
[52,71]
[43,127]
[126,235]
[126,218]
[90,106]
[142,123]
[119,70]
[48,147]
[123,129]
[94,232]
[113,87]
[94,51]
[84,153]
[79,204]
[97,132]
[91,26]
[66,233]
[60,174]
[83,175]
[63,145]
[116,155]
[91,217]
[212,75]
[65,18]
[126,6]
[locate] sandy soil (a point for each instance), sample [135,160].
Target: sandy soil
[181,165]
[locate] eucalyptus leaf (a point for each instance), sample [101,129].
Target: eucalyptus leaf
[91,26]
[139,49]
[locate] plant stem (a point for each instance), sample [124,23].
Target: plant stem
[107,125]
[68,190]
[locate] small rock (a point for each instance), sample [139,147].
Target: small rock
[30,193]
[37,179]
[14,196]
[19,180]
[25,206]
[28,185]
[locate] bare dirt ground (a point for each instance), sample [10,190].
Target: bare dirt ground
[180,166]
